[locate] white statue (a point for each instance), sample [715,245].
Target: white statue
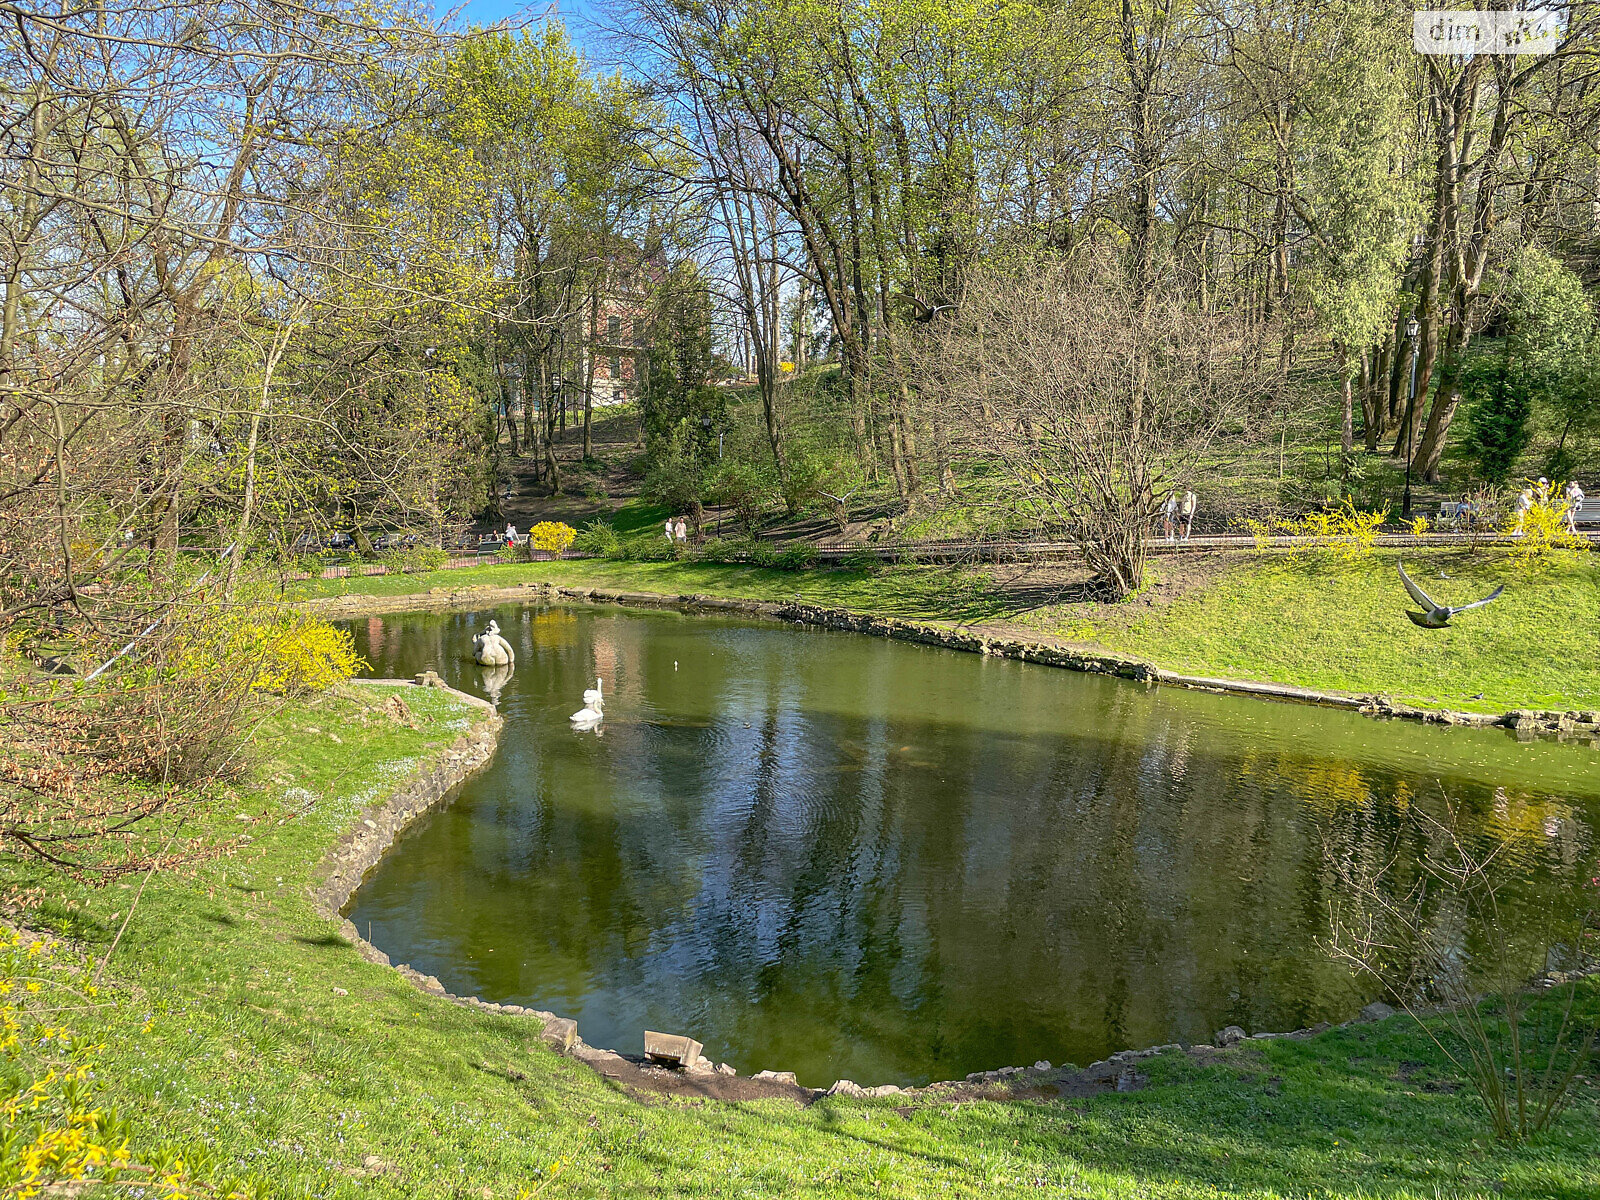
[594,705]
[492,650]
[494,679]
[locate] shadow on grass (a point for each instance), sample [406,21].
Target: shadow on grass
[332,940]
[1273,1123]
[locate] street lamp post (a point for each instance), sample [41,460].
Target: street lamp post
[1412,329]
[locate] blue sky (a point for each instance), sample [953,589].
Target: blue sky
[487,11]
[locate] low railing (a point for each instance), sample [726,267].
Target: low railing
[481,558]
[958,550]
[1050,549]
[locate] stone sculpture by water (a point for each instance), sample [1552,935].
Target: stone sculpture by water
[492,650]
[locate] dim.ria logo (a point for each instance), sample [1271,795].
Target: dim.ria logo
[1470,31]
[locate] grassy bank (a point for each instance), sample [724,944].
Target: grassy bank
[250,1029]
[1304,619]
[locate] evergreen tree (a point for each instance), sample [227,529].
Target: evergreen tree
[1546,360]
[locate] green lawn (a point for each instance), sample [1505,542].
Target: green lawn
[273,1047]
[1343,627]
[1302,619]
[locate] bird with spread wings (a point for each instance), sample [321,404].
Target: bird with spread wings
[1435,615]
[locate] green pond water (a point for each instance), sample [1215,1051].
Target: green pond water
[855,858]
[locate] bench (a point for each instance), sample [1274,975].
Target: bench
[1587,518]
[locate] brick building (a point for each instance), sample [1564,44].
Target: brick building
[621,335]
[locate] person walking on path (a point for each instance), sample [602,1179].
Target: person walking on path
[1190,503]
[669,531]
[511,536]
[682,530]
[1169,515]
[1574,495]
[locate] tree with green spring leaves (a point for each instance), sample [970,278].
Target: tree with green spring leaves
[680,410]
[1546,359]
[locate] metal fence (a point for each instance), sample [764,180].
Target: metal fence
[487,558]
[962,550]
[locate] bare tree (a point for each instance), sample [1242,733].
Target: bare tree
[165,183]
[1095,391]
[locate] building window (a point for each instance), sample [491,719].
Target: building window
[616,367]
[613,331]
[638,331]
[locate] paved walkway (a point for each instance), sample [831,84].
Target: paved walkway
[999,550]
[993,550]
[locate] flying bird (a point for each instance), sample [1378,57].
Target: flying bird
[922,311]
[1437,616]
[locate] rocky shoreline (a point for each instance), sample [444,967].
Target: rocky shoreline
[977,639]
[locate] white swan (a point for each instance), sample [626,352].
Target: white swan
[593,710]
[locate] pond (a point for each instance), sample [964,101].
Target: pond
[856,858]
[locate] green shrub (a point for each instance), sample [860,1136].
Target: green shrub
[805,478]
[1499,416]
[413,560]
[721,550]
[743,487]
[761,554]
[796,558]
[646,549]
[600,538]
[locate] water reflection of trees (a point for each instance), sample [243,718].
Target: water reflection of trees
[829,849]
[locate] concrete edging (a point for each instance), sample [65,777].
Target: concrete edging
[978,639]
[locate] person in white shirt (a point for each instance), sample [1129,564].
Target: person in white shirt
[669,529]
[1190,503]
[1169,514]
[1574,495]
[682,530]
[1524,505]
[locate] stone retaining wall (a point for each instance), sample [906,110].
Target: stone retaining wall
[345,865]
[978,639]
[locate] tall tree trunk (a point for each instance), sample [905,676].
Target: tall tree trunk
[1370,413]
[1347,432]
[588,373]
[280,343]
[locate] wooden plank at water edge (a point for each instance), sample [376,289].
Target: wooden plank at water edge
[672,1048]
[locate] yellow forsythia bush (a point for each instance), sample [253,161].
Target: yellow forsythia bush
[1539,533]
[298,655]
[552,537]
[1347,532]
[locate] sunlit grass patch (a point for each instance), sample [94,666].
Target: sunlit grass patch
[1331,624]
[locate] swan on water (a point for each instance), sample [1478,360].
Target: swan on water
[593,709]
